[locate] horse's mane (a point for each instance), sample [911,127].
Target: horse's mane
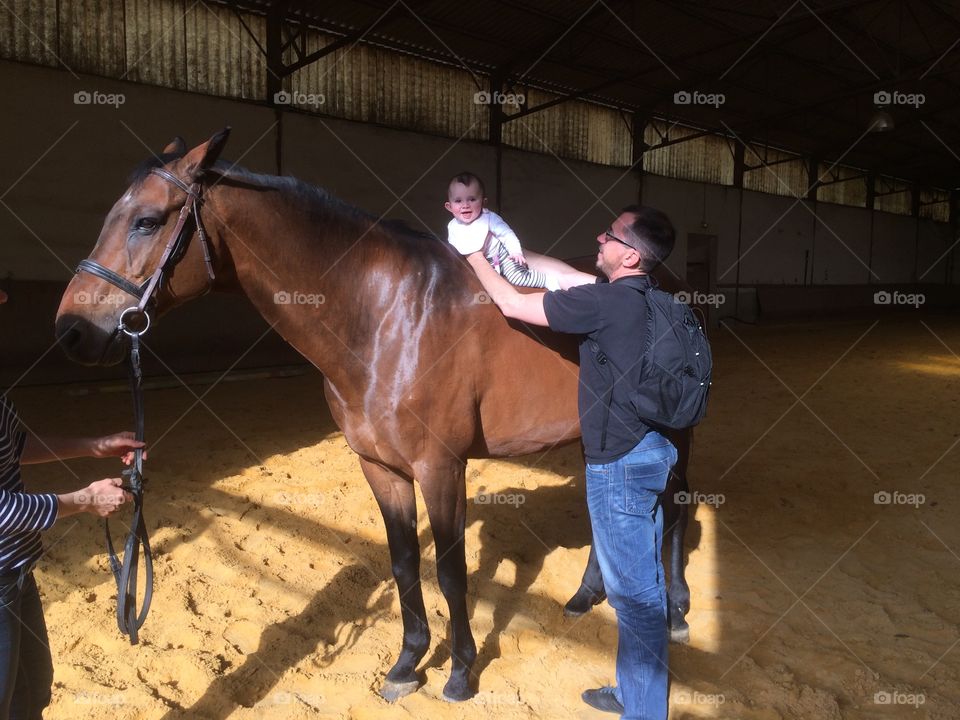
[417,243]
[322,200]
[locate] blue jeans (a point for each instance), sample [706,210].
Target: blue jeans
[26,668]
[628,535]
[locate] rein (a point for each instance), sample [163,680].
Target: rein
[135,322]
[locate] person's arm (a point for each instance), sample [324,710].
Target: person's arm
[101,498]
[34,512]
[526,307]
[49,449]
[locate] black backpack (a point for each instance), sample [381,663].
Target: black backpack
[675,368]
[677,364]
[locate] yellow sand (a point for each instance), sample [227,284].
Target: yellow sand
[274,597]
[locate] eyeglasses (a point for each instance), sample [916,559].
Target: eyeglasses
[610,236]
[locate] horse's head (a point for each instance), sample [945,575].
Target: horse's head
[150,256]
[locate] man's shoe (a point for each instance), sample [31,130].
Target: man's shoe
[604,699]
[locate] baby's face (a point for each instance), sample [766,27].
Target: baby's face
[465,202]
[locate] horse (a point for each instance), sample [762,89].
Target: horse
[420,370]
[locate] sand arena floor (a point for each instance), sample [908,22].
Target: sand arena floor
[273,590]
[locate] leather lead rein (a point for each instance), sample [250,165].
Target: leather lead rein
[126,571]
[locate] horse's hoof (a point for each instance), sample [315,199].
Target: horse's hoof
[680,634]
[583,602]
[451,699]
[455,695]
[393,691]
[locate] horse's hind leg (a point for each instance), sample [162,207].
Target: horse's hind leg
[444,492]
[398,505]
[675,517]
[591,590]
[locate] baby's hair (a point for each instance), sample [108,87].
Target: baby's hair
[466,179]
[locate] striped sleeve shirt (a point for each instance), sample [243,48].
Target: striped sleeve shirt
[22,515]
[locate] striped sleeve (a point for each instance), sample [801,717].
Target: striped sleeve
[19,511]
[26,512]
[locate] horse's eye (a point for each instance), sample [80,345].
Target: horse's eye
[146,224]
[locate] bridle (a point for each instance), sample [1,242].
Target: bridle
[135,321]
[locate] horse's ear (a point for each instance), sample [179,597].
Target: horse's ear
[205,155]
[176,147]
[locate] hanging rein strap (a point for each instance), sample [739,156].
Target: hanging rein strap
[135,321]
[125,573]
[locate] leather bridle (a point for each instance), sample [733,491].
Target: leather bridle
[135,321]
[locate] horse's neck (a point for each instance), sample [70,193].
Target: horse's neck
[298,275]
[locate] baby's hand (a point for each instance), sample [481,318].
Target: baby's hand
[518,258]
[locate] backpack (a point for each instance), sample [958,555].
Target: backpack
[675,367]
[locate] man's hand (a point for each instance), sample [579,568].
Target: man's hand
[101,498]
[117,445]
[513,304]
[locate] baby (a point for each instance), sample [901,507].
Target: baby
[473,224]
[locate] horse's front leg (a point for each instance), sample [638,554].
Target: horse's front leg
[398,505]
[444,492]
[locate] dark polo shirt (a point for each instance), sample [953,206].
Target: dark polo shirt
[611,317]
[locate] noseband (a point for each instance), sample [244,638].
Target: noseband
[135,321]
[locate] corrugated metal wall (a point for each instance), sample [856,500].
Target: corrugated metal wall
[935,204]
[789,176]
[182,44]
[847,185]
[704,159]
[370,84]
[207,48]
[893,196]
[28,31]
[573,129]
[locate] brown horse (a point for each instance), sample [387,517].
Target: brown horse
[419,372]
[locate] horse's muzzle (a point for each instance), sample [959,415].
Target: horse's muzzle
[87,344]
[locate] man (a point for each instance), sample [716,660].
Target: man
[627,462]
[26,668]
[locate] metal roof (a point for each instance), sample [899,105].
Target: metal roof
[805,75]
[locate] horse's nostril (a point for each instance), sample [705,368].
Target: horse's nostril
[68,337]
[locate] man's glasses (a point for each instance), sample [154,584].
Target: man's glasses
[610,236]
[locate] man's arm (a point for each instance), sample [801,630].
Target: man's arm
[525,307]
